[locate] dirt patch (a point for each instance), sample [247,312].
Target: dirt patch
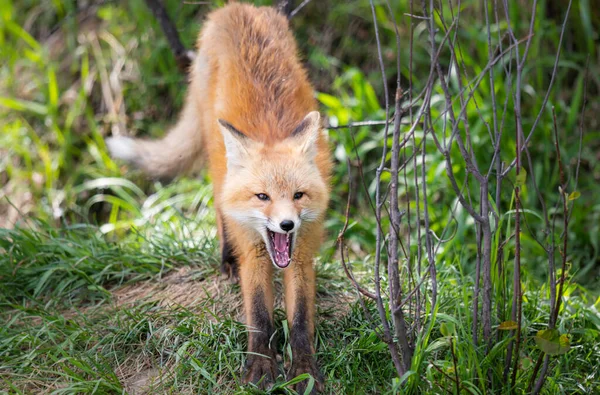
[141,382]
[190,288]
[187,287]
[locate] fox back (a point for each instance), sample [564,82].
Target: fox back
[251,114]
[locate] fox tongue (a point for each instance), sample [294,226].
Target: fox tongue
[282,250]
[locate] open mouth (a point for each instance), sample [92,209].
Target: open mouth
[281,248]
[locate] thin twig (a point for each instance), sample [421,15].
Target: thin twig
[449,377]
[297,9]
[340,240]
[457,382]
[356,124]
[564,196]
[183,57]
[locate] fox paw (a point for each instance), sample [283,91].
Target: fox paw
[229,271]
[306,365]
[261,371]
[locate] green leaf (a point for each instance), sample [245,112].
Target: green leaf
[552,342]
[23,105]
[447,328]
[585,13]
[526,363]
[43,279]
[507,326]
[329,100]
[296,380]
[52,88]
[21,33]
[574,195]
[6,10]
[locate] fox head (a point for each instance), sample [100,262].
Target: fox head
[276,189]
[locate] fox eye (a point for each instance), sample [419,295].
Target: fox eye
[263,196]
[298,195]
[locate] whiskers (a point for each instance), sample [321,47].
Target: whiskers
[310,215]
[253,218]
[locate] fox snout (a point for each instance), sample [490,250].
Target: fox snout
[286,225]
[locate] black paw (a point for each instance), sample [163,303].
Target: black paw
[261,371]
[230,272]
[306,365]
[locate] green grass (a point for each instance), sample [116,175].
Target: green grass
[85,234]
[67,331]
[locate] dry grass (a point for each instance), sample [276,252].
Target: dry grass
[190,288]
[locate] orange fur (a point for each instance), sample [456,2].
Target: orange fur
[250,112]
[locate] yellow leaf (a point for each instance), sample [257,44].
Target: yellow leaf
[507,326]
[574,195]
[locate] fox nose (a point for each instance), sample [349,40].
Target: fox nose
[287,225]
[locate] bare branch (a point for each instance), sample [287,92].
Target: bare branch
[183,57]
[357,124]
[340,241]
[297,9]
[517,295]
[378,205]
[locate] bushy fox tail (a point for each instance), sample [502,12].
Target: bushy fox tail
[176,153]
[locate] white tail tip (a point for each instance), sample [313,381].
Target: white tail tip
[122,148]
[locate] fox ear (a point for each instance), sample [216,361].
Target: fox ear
[236,144]
[307,132]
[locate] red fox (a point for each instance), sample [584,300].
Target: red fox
[250,112]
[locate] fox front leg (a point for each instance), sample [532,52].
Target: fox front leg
[299,281]
[229,260]
[256,283]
